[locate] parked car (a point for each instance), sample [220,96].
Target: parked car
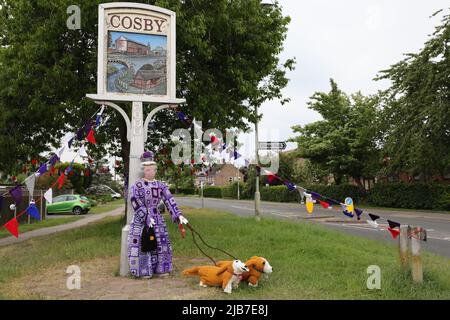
[66,203]
[102,189]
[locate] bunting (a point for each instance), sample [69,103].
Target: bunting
[33,211]
[91,138]
[16,193]
[13,227]
[48,195]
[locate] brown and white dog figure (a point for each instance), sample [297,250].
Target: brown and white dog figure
[227,275]
[257,266]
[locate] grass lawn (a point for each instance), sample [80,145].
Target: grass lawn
[57,221]
[39,224]
[309,261]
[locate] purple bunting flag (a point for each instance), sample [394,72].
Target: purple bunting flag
[16,193]
[43,168]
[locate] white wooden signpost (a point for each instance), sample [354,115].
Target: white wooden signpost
[136,63]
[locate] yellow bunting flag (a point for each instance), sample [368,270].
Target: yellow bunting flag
[309,205]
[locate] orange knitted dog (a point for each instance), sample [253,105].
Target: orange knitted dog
[257,266]
[226,275]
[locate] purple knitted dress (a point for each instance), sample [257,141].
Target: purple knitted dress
[147,194]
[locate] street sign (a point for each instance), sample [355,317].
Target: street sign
[272,145]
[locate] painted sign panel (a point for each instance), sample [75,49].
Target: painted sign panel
[136,53]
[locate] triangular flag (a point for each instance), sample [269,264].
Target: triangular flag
[48,195]
[394,232]
[236,155]
[16,193]
[88,126]
[53,159]
[246,162]
[33,211]
[373,224]
[358,213]
[373,216]
[309,205]
[324,204]
[69,143]
[13,227]
[80,134]
[43,168]
[34,162]
[315,195]
[91,138]
[82,152]
[393,224]
[70,167]
[98,120]
[60,152]
[29,182]
[270,178]
[348,214]
[86,172]
[61,180]
[290,185]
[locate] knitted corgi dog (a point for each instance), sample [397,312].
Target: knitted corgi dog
[227,275]
[257,266]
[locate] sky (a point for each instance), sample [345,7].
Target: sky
[347,40]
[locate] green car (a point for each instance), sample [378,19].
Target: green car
[69,203]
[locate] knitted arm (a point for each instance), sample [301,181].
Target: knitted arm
[170,203]
[140,211]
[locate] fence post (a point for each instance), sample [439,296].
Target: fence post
[42,213]
[403,246]
[416,267]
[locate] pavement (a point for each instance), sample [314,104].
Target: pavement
[62,227]
[436,224]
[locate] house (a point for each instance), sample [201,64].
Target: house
[148,77]
[128,46]
[221,176]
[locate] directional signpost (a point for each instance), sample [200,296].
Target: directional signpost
[272,145]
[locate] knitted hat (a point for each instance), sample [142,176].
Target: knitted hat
[147,159]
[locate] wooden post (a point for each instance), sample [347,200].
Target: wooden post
[416,266]
[42,213]
[403,246]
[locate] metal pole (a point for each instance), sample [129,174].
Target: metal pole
[257,194]
[201,188]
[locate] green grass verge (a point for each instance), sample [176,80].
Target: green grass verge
[39,224]
[309,261]
[63,220]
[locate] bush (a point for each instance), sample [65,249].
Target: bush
[412,196]
[340,192]
[182,190]
[230,191]
[100,198]
[212,192]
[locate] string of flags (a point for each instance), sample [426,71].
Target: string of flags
[308,197]
[16,192]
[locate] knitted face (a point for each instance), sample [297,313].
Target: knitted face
[150,172]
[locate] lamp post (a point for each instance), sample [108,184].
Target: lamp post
[257,194]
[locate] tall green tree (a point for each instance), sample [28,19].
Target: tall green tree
[227,63]
[416,108]
[344,142]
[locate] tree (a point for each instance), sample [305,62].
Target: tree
[416,108]
[344,142]
[227,62]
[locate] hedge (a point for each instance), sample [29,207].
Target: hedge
[393,195]
[182,190]
[413,196]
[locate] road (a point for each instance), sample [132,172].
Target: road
[436,224]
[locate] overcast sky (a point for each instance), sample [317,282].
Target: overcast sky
[347,40]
